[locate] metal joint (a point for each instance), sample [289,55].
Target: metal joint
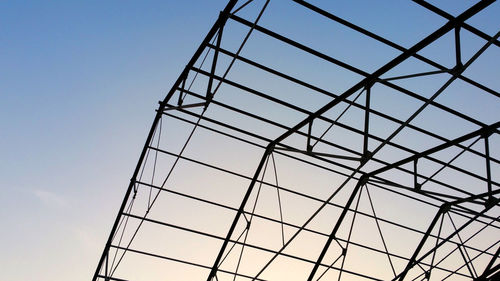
[365,157]
[458,69]
[363,179]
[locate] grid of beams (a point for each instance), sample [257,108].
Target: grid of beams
[253,170]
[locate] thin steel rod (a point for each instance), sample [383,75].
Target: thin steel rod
[295,192]
[316,165]
[401,48]
[331,237]
[489,268]
[158,115]
[447,202]
[232,241]
[447,239]
[371,110]
[438,148]
[448,17]
[413,75]
[350,128]
[367,75]
[178,260]
[305,229]
[214,268]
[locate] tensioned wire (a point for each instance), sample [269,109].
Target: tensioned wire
[379,147]
[150,205]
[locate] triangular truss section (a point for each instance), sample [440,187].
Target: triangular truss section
[301,144]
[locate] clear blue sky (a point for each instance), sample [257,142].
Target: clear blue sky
[79,82]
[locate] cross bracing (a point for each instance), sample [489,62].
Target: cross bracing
[307,147]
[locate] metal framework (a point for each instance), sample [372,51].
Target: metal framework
[272,158]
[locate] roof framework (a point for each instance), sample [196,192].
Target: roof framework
[279,160]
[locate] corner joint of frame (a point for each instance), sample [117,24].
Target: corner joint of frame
[363,179]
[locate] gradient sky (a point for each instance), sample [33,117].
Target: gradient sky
[79,82]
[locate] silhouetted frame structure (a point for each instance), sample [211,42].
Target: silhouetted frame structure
[269,175]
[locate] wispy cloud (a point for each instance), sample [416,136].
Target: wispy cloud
[50,198]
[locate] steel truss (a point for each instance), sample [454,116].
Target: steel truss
[354,204]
